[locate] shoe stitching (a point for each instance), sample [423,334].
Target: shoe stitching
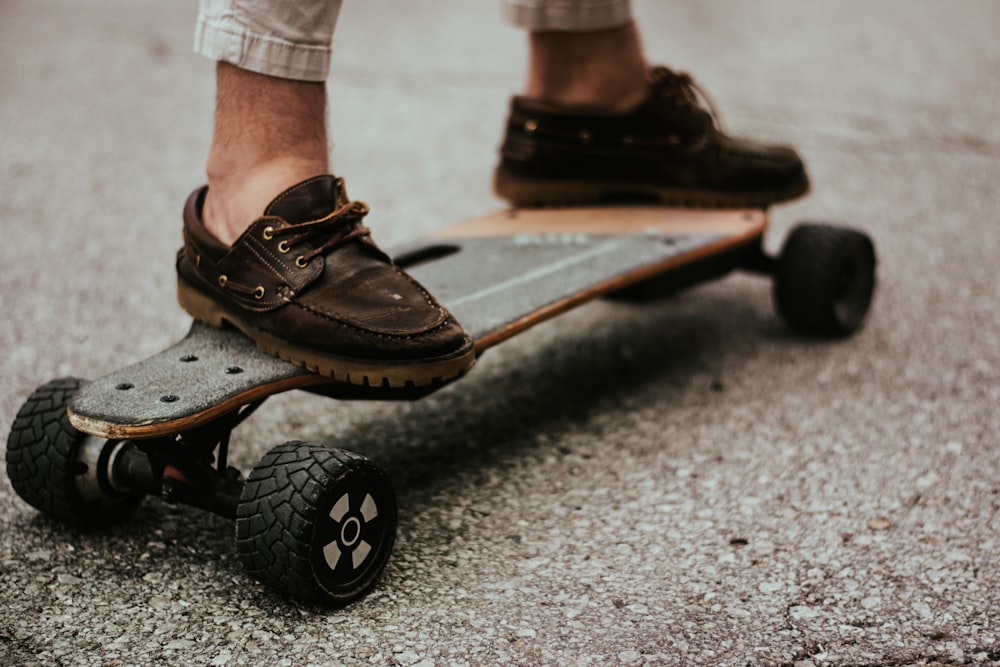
[335,319]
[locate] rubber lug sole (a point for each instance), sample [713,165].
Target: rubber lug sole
[530,193]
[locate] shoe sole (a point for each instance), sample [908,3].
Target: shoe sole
[533,193]
[362,372]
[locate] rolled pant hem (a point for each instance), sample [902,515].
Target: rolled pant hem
[230,42]
[567,16]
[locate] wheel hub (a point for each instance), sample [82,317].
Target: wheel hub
[350,538]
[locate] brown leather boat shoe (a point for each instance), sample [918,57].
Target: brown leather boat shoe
[308,284]
[668,149]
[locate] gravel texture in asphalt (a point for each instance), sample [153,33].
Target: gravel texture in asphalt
[675,483]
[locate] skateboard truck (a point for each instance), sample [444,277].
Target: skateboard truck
[189,469]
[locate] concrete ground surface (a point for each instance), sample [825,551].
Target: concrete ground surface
[676,483]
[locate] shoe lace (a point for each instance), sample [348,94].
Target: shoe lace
[339,228]
[680,90]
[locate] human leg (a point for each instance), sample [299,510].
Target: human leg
[270,134]
[270,116]
[605,68]
[273,245]
[596,123]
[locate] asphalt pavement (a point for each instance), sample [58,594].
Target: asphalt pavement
[676,483]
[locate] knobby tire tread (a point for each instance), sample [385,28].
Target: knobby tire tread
[277,513]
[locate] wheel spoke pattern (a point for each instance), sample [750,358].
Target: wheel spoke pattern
[351,529]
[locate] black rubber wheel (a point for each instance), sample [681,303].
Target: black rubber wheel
[825,280]
[56,469]
[315,522]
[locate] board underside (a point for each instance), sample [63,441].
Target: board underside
[498,275]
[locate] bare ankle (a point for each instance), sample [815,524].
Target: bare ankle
[606,68]
[238,197]
[269,134]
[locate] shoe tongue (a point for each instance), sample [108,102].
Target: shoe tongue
[311,199]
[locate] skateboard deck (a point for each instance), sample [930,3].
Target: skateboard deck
[318,522]
[499,275]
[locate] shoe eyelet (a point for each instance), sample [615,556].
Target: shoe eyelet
[268,233]
[530,126]
[585,136]
[301,262]
[259,292]
[223,279]
[283,247]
